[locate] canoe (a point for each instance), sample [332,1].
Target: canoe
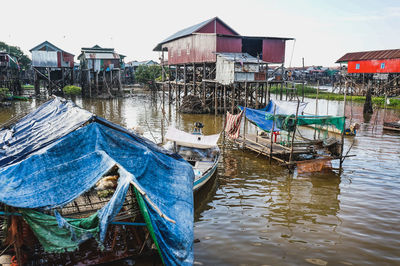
[199,150]
[393,126]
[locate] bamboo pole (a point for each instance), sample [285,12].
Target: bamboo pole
[215,99]
[272,134]
[316,108]
[294,131]
[244,113]
[233,98]
[344,127]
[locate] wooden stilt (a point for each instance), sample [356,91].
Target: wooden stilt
[344,127]
[272,135]
[215,99]
[294,132]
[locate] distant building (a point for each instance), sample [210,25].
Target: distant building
[53,67]
[98,59]
[100,70]
[48,55]
[8,61]
[131,67]
[383,61]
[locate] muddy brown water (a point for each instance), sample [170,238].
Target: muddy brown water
[253,213]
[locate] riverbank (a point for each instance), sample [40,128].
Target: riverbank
[311,92]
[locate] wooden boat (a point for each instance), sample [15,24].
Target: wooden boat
[394,126]
[200,151]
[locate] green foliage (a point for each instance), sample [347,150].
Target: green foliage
[27,86]
[23,59]
[72,90]
[148,74]
[311,92]
[4,91]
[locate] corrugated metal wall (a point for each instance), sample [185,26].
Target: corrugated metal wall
[229,45]
[44,59]
[273,50]
[196,48]
[374,66]
[225,71]
[216,27]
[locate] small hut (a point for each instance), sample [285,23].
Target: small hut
[101,70]
[9,72]
[52,66]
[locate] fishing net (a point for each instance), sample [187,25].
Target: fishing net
[287,122]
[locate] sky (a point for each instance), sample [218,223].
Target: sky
[324,30]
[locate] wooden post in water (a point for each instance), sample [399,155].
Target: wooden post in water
[233,97]
[194,79]
[294,131]
[225,99]
[204,85]
[97,82]
[215,99]
[272,134]
[176,88]
[163,95]
[244,113]
[184,81]
[344,128]
[316,108]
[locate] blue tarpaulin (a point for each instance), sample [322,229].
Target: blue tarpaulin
[263,118]
[57,169]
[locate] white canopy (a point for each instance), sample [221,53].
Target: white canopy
[190,140]
[287,108]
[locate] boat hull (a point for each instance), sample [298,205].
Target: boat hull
[207,176]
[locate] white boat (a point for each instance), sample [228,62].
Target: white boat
[200,151]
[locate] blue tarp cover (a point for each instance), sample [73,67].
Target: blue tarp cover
[56,170]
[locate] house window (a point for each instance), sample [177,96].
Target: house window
[382,65]
[357,66]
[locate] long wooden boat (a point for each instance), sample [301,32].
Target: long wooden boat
[200,151]
[393,126]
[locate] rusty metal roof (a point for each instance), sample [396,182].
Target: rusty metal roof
[370,55]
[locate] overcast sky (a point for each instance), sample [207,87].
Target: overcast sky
[324,30]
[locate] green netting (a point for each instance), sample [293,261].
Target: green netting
[286,122]
[61,239]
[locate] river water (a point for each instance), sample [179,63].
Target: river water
[254,213]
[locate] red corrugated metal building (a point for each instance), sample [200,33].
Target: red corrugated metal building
[383,61]
[201,42]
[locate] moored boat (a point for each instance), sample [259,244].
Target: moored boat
[393,126]
[78,189]
[199,150]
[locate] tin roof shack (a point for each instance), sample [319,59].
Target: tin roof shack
[9,73]
[381,68]
[237,67]
[132,66]
[192,55]
[53,67]
[101,70]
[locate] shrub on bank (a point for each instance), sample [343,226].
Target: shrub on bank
[4,91]
[72,90]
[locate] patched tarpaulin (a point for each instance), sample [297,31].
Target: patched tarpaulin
[61,169]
